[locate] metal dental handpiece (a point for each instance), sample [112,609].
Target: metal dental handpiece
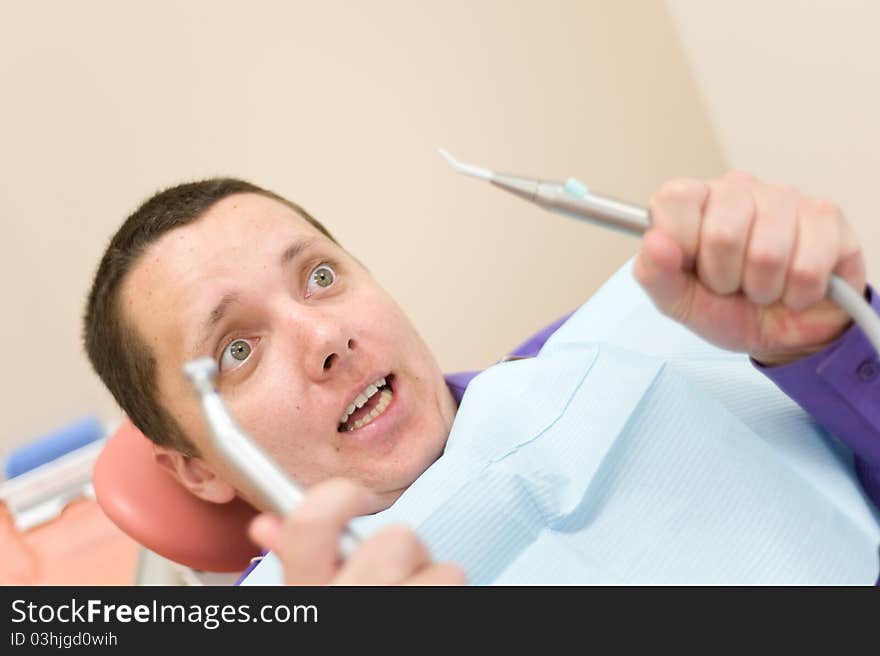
[239,451]
[572,198]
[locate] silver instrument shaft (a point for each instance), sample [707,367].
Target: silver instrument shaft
[277,490]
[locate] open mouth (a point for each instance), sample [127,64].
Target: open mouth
[369,404]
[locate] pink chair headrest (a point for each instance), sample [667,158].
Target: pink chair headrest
[147,503]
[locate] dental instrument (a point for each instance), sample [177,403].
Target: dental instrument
[277,490]
[572,198]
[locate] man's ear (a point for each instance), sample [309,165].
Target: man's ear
[194,474]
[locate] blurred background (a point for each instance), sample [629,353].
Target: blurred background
[341,106]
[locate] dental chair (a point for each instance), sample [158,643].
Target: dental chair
[52,531]
[144,501]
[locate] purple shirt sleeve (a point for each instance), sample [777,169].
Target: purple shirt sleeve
[840,388]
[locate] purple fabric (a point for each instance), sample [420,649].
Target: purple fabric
[840,388]
[250,568]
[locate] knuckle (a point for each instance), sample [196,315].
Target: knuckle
[785,190]
[680,190]
[806,277]
[828,208]
[722,238]
[820,210]
[738,177]
[765,257]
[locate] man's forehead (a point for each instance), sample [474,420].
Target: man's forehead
[238,214]
[252,206]
[242,223]
[207,257]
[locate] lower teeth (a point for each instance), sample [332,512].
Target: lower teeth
[384,400]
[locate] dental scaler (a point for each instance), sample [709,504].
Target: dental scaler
[572,198]
[238,450]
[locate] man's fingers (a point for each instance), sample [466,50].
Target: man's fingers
[388,558]
[307,543]
[266,530]
[396,556]
[310,553]
[763,257]
[771,243]
[724,232]
[658,269]
[851,263]
[815,254]
[677,210]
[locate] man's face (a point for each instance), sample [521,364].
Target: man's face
[299,330]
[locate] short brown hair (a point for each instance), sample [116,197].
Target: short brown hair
[118,354]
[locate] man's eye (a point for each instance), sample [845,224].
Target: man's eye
[235,354]
[321,278]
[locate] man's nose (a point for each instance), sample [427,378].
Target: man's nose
[335,358]
[330,346]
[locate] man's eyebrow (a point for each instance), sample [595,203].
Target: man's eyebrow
[214,318]
[295,250]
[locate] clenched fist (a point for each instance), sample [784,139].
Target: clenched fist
[745,265]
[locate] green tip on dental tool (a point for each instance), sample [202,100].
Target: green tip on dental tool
[576,188]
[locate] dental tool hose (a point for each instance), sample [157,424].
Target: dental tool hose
[573,199]
[276,489]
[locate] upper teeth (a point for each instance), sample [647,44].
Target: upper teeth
[361,398]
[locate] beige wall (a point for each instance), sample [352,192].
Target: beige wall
[793,91]
[341,106]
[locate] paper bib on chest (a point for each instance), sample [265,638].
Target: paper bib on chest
[630,451]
